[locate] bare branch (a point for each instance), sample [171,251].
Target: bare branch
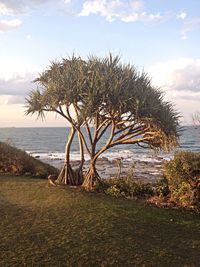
[128,136]
[89,132]
[105,147]
[103,131]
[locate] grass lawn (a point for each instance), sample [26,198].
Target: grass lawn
[47,226]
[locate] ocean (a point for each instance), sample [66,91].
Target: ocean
[48,144]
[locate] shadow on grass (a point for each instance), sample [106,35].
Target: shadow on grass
[44,226]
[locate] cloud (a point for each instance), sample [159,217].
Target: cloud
[180,81]
[108,9]
[6,25]
[179,78]
[182,15]
[126,11]
[192,97]
[10,99]
[15,89]
[144,17]
[4,9]
[13,7]
[188,26]
[9,7]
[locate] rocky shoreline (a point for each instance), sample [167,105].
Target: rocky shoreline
[147,171]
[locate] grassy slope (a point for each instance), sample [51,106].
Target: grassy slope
[46,226]
[17,162]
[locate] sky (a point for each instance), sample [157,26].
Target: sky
[158,36]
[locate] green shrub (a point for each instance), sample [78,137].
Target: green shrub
[183,176]
[128,187]
[183,194]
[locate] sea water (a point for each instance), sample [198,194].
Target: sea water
[48,144]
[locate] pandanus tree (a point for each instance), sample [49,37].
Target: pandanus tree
[109,100]
[122,104]
[59,90]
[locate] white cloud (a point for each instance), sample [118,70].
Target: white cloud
[17,86]
[6,25]
[15,82]
[188,26]
[127,11]
[136,5]
[14,90]
[184,37]
[93,7]
[10,7]
[4,9]
[182,15]
[11,99]
[181,74]
[180,81]
[13,7]
[145,17]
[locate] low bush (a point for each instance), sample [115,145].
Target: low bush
[182,176]
[17,162]
[128,187]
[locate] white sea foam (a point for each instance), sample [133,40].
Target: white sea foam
[124,155]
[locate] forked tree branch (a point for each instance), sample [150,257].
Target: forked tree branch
[104,148]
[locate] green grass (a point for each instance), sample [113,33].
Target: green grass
[50,226]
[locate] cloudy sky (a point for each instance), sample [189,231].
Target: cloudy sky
[159,36]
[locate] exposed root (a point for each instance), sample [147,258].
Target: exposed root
[51,180]
[71,177]
[91,177]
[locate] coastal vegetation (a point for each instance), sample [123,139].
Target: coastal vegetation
[178,187]
[182,178]
[43,226]
[14,161]
[128,187]
[98,96]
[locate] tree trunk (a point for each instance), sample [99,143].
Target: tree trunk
[67,175]
[91,177]
[82,159]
